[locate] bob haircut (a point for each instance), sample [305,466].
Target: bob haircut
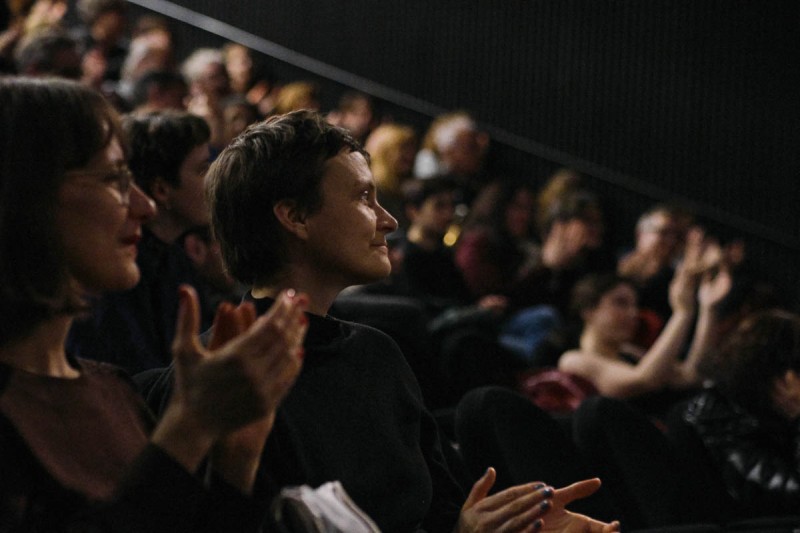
[281,158]
[47,127]
[760,350]
[160,141]
[590,289]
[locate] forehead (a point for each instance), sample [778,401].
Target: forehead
[345,170]
[112,153]
[621,290]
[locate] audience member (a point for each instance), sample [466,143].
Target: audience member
[80,451]
[356,407]
[49,51]
[24,18]
[749,421]
[660,237]
[159,90]
[297,95]
[607,305]
[392,148]
[237,113]
[169,157]
[204,71]
[250,77]
[356,113]
[102,39]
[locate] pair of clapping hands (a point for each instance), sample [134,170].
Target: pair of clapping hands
[528,508]
[226,395]
[704,274]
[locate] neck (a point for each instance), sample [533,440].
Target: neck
[304,280]
[165,228]
[591,342]
[42,352]
[424,239]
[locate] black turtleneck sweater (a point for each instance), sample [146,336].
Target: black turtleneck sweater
[355,414]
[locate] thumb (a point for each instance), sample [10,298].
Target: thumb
[186,344]
[481,488]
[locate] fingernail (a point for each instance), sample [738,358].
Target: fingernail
[548,492]
[538,524]
[290,293]
[538,486]
[302,300]
[545,505]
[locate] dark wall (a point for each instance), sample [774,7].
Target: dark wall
[688,100]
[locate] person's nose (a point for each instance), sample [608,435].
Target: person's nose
[385,221]
[142,207]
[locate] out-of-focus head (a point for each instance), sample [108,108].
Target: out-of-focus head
[357,112]
[392,148]
[48,52]
[160,90]
[430,204]
[238,114]
[579,207]
[205,72]
[169,159]
[296,96]
[659,233]
[608,304]
[69,218]
[281,159]
[762,352]
[459,144]
[106,19]
[147,53]
[239,64]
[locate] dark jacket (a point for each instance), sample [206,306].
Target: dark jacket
[758,457]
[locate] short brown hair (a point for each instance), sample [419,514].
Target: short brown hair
[281,158]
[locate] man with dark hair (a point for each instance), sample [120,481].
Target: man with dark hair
[294,205]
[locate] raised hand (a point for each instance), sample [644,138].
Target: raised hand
[242,381]
[237,454]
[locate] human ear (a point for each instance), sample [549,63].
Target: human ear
[160,191]
[292,218]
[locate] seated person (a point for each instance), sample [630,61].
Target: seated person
[749,421]
[79,451]
[660,235]
[608,306]
[355,413]
[169,157]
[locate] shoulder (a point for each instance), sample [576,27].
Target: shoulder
[573,361]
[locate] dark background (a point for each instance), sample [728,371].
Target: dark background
[694,101]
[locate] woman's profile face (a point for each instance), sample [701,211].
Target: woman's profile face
[616,315]
[99,217]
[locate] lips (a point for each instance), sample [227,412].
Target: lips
[131,240]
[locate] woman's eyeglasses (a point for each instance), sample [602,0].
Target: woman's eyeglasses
[119,180]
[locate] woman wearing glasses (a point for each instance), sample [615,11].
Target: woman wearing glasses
[133,329]
[78,449]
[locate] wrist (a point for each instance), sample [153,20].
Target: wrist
[183,437]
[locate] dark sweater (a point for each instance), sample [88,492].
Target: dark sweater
[74,456]
[134,329]
[355,414]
